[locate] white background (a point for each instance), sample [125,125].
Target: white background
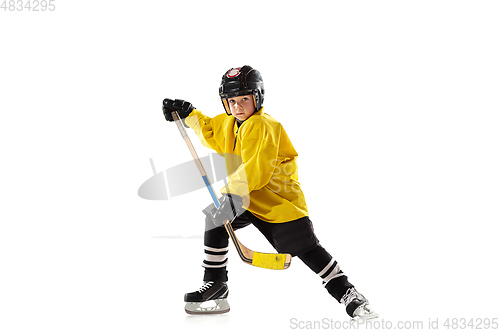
[393,107]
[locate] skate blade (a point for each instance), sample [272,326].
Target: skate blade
[365,317]
[365,313]
[221,306]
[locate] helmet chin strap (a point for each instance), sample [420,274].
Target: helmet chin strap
[254,102]
[226,107]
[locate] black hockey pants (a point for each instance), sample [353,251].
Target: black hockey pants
[296,237]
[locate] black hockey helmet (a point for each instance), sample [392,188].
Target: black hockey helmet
[242,81]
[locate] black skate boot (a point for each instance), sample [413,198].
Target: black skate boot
[216,292]
[357,305]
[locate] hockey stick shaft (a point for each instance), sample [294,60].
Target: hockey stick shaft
[196,159]
[209,186]
[264,260]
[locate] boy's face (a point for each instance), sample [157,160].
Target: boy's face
[241,107]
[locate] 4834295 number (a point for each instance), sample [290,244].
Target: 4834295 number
[28,5]
[474,323]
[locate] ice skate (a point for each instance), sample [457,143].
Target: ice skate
[357,305]
[198,302]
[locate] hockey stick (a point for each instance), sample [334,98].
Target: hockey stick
[259,259]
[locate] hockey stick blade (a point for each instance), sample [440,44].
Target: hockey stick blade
[277,261]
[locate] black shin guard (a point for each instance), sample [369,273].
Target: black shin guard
[215,274]
[321,263]
[337,287]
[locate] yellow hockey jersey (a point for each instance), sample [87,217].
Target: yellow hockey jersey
[261,163]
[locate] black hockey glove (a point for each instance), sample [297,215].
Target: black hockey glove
[184,108]
[231,206]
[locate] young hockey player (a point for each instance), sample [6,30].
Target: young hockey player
[262,190]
